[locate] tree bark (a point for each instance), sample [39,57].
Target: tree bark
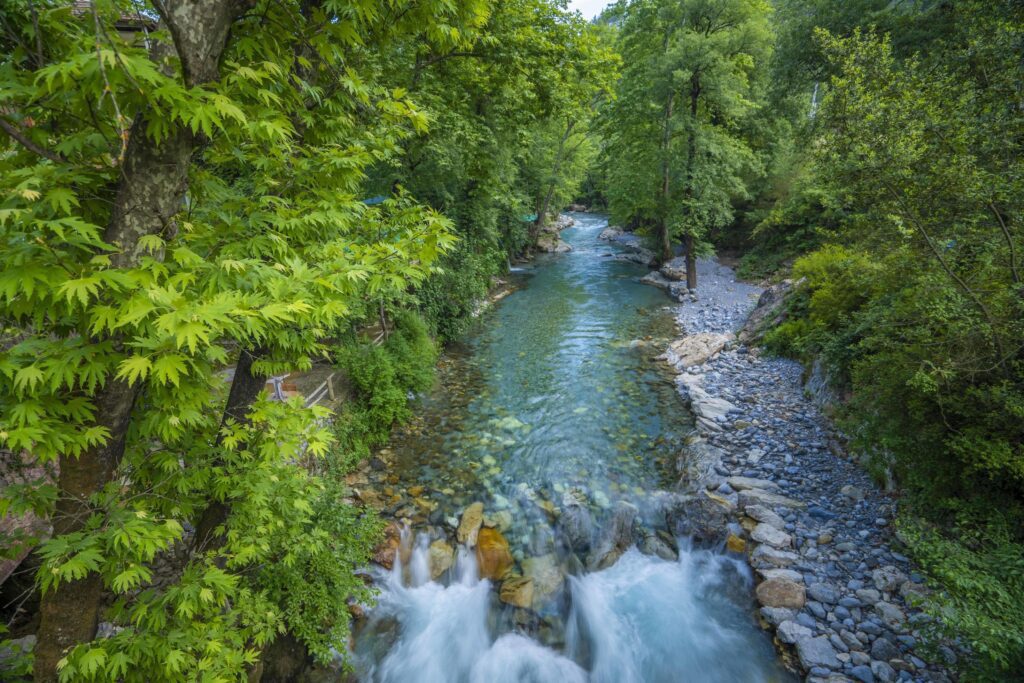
[151,189]
[664,235]
[691,159]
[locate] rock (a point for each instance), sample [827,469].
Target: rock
[576,523]
[610,233]
[823,593]
[765,533]
[442,557]
[816,652]
[777,615]
[888,578]
[785,574]
[774,556]
[546,576]
[469,527]
[701,517]
[891,615]
[781,593]
[883,649]
[747,483]
[708,407]
[735,544]
[501,519]
[517,591]
[790,632]
[653,544]
[696,349]
[852,492]
[674,269]
[386,551]
[764,514]
[552,244]
[760,497]
[863,674]
[883,672]
[617,537]
[492,554]
[770,311]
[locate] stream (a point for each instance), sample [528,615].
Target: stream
[554,414]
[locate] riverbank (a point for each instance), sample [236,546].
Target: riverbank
[833,587]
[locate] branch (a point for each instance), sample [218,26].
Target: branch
[1009,242]
[20,137]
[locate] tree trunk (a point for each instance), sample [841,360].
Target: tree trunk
[151,189]
[664,236]
[545,203]
[691,159]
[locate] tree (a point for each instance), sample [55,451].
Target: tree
[177,199]
[674,151]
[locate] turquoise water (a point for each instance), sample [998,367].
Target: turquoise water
[556,396]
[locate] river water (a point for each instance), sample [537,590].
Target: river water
[555,401]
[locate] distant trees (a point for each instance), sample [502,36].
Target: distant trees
[675,155]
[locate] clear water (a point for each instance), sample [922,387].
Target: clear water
[557,391]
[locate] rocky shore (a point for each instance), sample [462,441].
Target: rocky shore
[832,584]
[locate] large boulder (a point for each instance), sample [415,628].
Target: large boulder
[546,575]
[576,522]
[700,517]
[769,312]
[696,349]
[442,557]
[816,652]
[493,556]
[781,593]
[469,526]
[674,269]
[552,244]
[616,538]
[387,550]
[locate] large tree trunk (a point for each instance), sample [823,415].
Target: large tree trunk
[545,203]
[691,159]
[664,234]
[152,186]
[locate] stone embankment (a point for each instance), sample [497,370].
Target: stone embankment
[832,584]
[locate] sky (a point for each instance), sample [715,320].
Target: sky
[589,8]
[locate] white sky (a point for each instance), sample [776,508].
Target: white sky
[589,8]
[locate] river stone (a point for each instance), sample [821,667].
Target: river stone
[386,551]
[546,576]
[761,497]
[707,406]
[774,556]
[576,523]
[745,483]
[442,557]
[891,615]
[517,591]
[469,527]
[784,574]
[816,652]
[823,593]
[492,554]
[790,632]
[735,544]
[765,533]
[652,544]
[777,615]
[617,537]
[781,593]
[764,514]
[852,492]
[696,349]
[701,517]
[887,578]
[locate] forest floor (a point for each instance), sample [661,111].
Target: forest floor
[819,534]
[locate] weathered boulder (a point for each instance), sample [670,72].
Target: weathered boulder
[816,652]
[786,574]
[652,543]
[747,483]
[767,555]
[764,514]
[517,591]
[770,311]
[576,522]
[696,349]
[766,498]
[616,538]
[781,593]
[707,406]
[441,556]
[700,517]
[469,527]
[493,556]
[552,244]
[386,551]
[546,575]
[776,538]
[674,269]
[888,578]
[790,632]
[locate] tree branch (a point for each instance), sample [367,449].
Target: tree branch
[25,142]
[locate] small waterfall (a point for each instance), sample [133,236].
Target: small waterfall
[643,620]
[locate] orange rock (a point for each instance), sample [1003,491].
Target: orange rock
[492,554]
[735,544]
[385,552]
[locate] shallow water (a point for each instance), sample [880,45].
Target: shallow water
[556,394]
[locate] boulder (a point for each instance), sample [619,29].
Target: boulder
[469,527]
[442,557]
[576,522]
[652,543]
[781,593]
[552,244]
[762,513]
[888,578]
[617,537]
[765,554]
[492,554]
[386,551]
[747,483]
[700,517]
[790,632]
[517,591]
[707,406]
[766,498]
[816,652]
[547,577]
[786,574]
[735,544]
[768,313]
[776,538]
[675,269]
[696,349]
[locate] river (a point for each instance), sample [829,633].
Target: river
[556,416]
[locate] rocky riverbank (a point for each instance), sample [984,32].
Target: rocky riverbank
[832,585]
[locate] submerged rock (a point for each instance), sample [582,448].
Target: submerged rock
[651,543]
[492,554]
[546,575]
[517,591]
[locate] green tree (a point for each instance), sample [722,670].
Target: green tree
[675,154]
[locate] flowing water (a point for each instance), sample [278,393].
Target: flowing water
[554,401]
